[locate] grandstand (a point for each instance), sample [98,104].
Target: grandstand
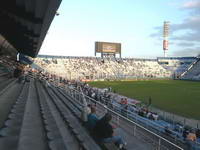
[192,72]
[95,68]
[177,65]
[29,96]
[39,116]
[43,102]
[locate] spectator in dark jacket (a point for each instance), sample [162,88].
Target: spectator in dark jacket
[198,133]
[17,72]
[103,130]
[92,118]
[185,133]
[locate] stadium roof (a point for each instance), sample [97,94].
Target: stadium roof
[24,23]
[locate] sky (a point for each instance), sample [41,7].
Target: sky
[136,24]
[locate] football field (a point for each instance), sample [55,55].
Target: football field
[179,97]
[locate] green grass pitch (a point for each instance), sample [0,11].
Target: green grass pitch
[179,97]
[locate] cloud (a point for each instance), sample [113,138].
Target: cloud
[158,32]
[185,44]
[194,4]
[187,52]
[187,33]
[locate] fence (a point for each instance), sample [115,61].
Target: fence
[158,142]
[170,117]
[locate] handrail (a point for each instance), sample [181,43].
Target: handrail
[127,119]
[196,142]
[130,121]
[191,66]
[134,114]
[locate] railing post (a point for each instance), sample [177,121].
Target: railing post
[159,143]
[105,107]
[117,120]
[134,130]
[70,92]
[73,94]
[79,97]
[175,138]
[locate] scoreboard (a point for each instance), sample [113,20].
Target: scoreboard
[107,47]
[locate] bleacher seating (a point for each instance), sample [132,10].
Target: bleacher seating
[97,68]
[41,116]
[193,73]
[177,65]
[34,117]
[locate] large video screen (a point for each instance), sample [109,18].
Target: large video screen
[107,47]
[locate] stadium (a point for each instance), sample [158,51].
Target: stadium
[51,102]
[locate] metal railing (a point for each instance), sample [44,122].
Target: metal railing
[135,129]
[191,65]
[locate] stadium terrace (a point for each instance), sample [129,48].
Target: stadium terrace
[90,103]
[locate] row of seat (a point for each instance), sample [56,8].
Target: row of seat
[12,126]
[76,110]
[6,83]
[32,134]
[68,113]
[75,68]
[9,92]
[3,74]
[54,125]
[193,73]
[44,117]
[38,119]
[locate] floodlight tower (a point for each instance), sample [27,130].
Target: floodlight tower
[165,37]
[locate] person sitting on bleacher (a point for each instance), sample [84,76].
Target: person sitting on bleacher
[155,116]
[198,133]
[103,130]
[191,137]
[92,119]
[17,72]
[185,133]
